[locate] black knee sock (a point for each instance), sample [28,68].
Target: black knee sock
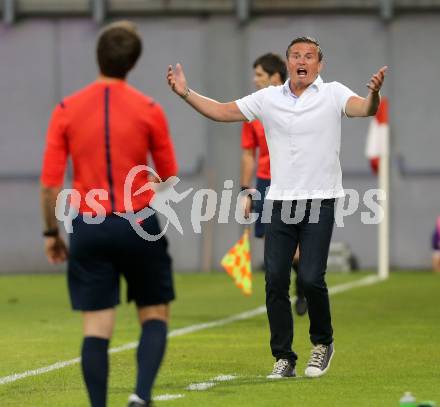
[150,353]
[94,362]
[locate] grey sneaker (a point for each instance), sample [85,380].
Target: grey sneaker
[320,359]
[282,368]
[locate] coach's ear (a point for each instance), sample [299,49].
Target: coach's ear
[320,66]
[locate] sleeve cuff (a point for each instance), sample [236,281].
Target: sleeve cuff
[244,110]
[345,103]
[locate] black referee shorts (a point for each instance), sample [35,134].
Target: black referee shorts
[100,254]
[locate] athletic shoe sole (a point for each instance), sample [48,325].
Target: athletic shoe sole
[277,376]
[322,372]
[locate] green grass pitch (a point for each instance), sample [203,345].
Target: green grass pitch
[387,341]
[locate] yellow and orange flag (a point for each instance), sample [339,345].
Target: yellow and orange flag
[237,263]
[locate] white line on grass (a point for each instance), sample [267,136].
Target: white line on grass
[224,378]
[187,330]
[41,370]
[165,397]
[211,383]
[200,386]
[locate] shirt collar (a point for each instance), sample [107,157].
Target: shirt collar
[316,84]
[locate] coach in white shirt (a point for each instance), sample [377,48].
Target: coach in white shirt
[302,122]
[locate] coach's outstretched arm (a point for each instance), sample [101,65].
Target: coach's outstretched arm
[363,107]
[220,112]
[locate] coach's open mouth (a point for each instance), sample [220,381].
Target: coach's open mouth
[301,72]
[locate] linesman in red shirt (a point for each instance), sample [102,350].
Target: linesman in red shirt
[107,128]
[269,70]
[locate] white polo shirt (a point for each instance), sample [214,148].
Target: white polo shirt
[303,136]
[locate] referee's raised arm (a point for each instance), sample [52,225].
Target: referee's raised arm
[210,108]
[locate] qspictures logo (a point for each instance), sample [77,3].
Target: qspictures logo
[207,204]
[165,194]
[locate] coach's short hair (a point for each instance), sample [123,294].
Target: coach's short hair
[118,49]
[272,64]
[307,40]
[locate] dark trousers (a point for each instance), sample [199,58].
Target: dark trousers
[312,234]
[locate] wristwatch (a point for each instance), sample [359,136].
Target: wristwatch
[51,232]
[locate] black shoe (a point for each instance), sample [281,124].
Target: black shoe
[320,359]
[301,306]
[282,368]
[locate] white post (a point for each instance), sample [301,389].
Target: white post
[383,233]
[242,10]
[99,10]
[9,10]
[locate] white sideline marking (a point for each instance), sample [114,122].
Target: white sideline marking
[224,378]
[211,383]
[41,370]
[200,386]
[187,330]
[165,397]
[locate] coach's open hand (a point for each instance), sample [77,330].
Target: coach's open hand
[377,79]
[176,79]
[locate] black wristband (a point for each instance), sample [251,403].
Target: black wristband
[51,233]
[243,188]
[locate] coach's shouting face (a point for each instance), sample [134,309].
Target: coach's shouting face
[304,63]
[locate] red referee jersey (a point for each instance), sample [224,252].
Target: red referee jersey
[108,128]
[252,136]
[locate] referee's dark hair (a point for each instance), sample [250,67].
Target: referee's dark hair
[272,64]
[118,49]
[307,40]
